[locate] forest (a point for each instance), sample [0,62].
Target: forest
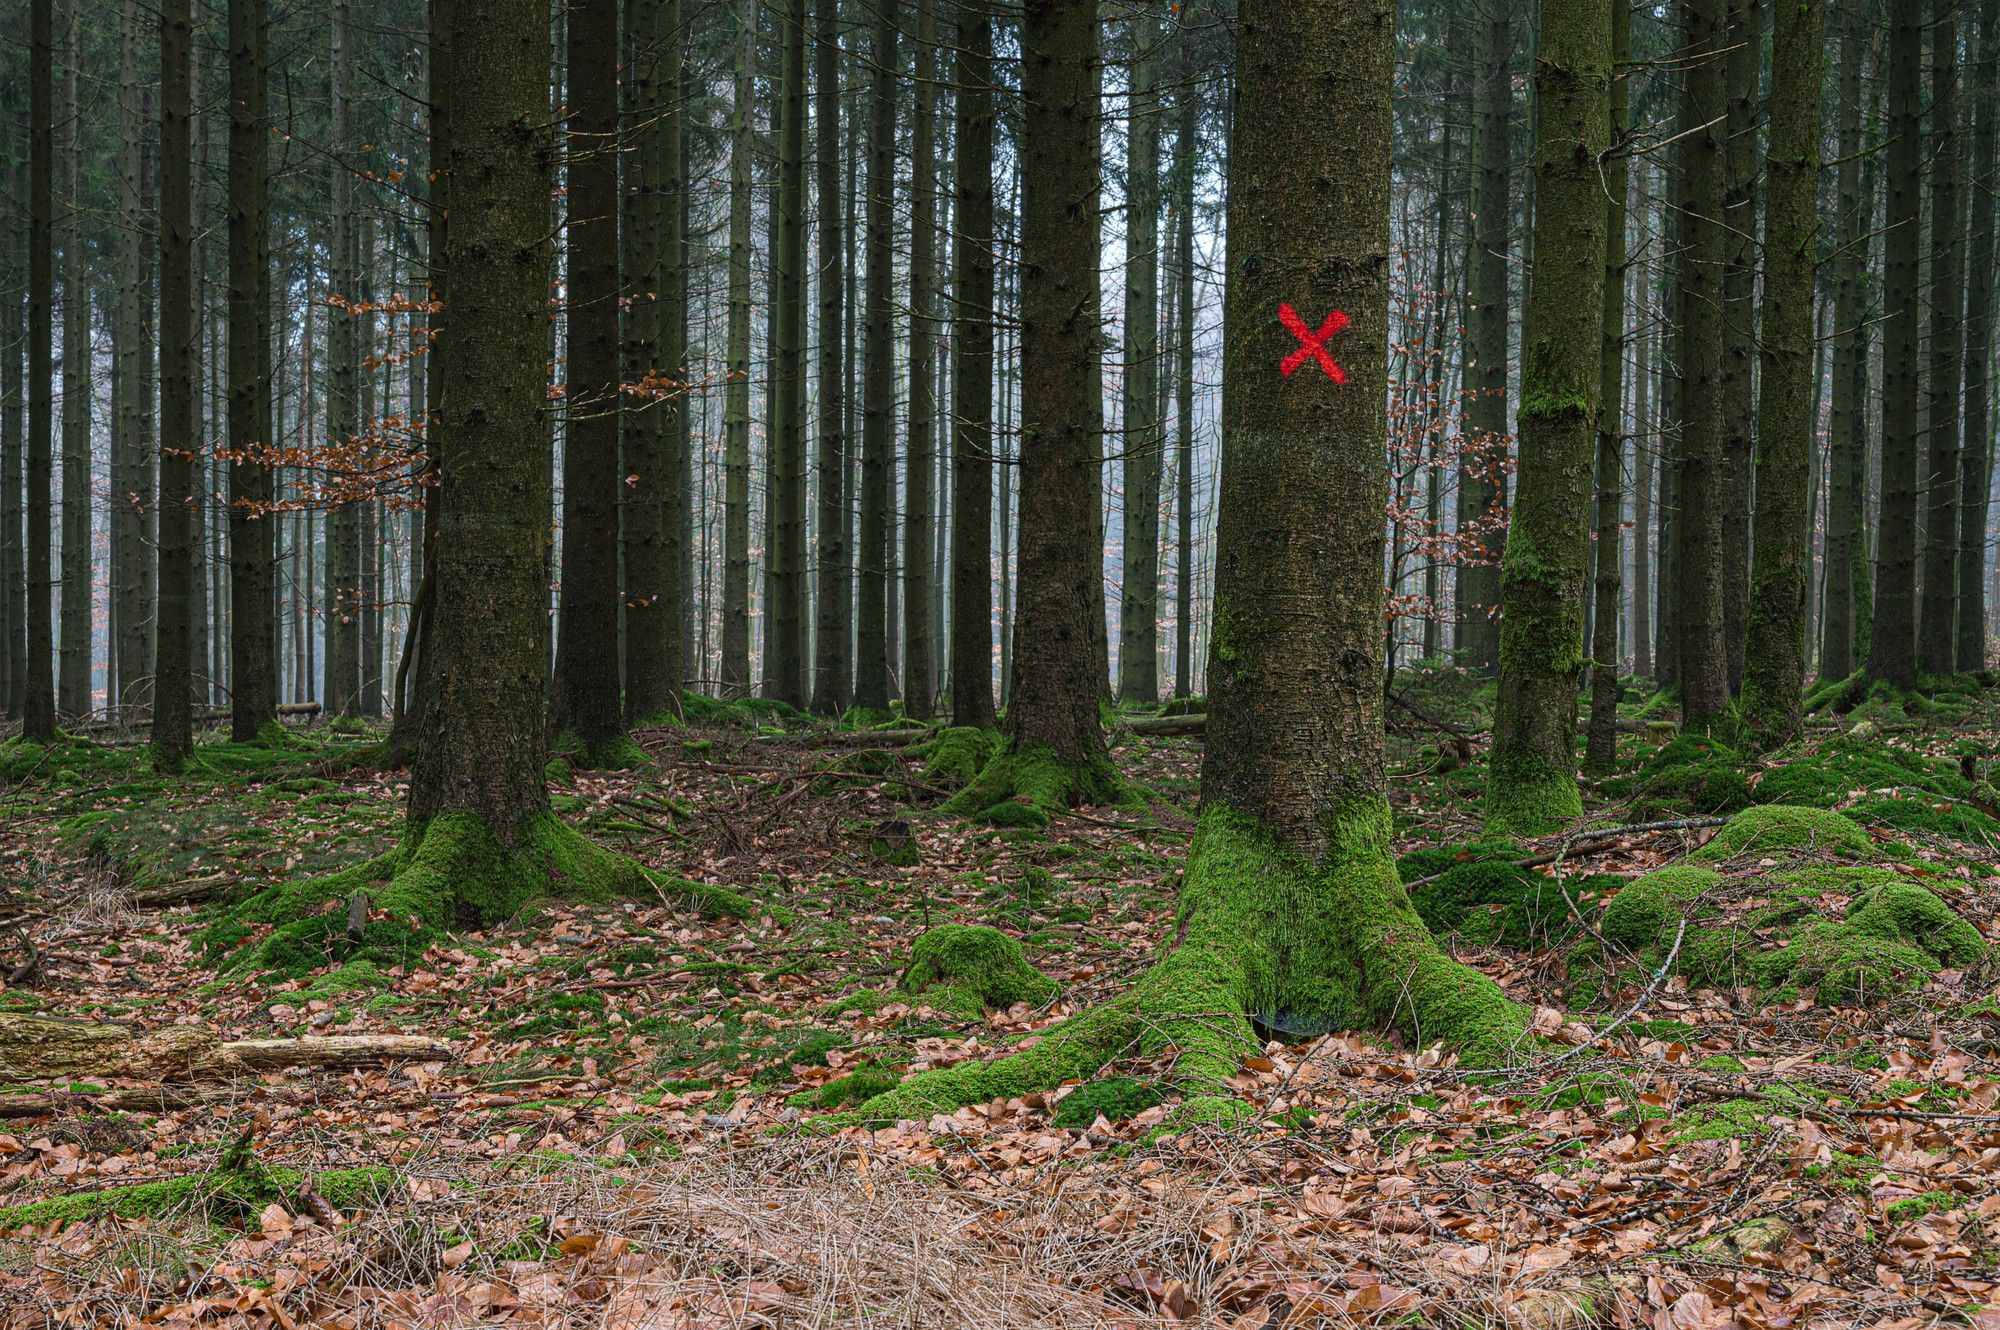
[1259,664]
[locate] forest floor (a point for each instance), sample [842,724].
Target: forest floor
[622,1135]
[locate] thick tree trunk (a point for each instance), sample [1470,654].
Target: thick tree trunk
[1775,652]
[785,617]
[1601,753]
[1845,550]
[1482,496]
[180,331]
[343,387]
[1739,321]
[1184,177]
[39,698]
[13,343]
[585,699]
[1699,501]
[972,372]
[1143,444]
[735,675]
[1976,467]
[1937,629]
[878,377]
[1531,772]
[920,459]
[830,659]
[253,629]
[1892,654]
[73,692]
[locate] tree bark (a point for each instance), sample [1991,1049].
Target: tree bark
[343,387]
[1739,321]
[1937,628]
[920,458]
[34,1048]
[1774,669]
[1976,466]
[39,701]
[785,617]
[180,439]
[13,345]
[830,659]
[878,383]
[972,371]
[1846,551]
[73,692]
[1143,444]
[1184,177]
[1601,753]
[736,394]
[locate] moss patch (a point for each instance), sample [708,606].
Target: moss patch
[965,969]
[1026,786]
[1777,828]
[955,757]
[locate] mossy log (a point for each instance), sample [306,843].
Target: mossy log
[1196,723]
[48,1047]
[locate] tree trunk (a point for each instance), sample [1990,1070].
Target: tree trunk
[1775,653]
[180,329]
[36,1048]
[1739,321]
[13,344]
[1601,753]
[343,389]
[1143,444]
[830,659]
[785,617]
[253,628]
[878,383]
[972,372]
[73,676]
[1845,551]
[39,701]
[1937,629]
[1892,654]
[1531,772]
[1185,149]
[1699,501]
[920,459]
[736,410]
[1976,468]
[1482,495]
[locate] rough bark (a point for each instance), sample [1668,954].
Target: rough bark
[13,343]
[1976,464]
[1937,635]
[1739,321]
[180,440]
[1184,178]
[343,382]
[34,1048]
[1143,444]
[1774,668]
[878,381]
[1602,751]
[1531,772]
[972,371]
[785,617]
[920,459]
[831,555]
[1846,550]
[38,714]
[73,692]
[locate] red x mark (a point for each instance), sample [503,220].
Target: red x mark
[1314,343]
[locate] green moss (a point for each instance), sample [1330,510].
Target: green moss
[1117,1099]
[1775,828]
[1907,1208]
[1529,795]
[1636,916]
[235,1190]
[964,969]
[1480,892]
[1016,777]
[856,1087]
[357,976]
[954,758]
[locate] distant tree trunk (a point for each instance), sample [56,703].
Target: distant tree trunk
[830,658]
[585,698]
[1892,655]
[253,642]
[736,409]
[1482,495]
[132,456]
[1976,468]
[785,617]
[484,743]
[1531,774]
[1185,148]
[1699,502]
[972,371]
[1774,668]
[343,388]
[1846,551]
[674,261]
[39,703]
[1143,445]
[652,572]
[13,343]
[1645,440]
[878,383]
[920,459]
[1739,321]
[1601,752]
[73,648]
[1937,630]
[180,330]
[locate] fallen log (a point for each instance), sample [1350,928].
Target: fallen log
[36,1048]
[1163,726]
[1197,723]
[188,891]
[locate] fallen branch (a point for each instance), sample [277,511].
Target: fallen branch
[34,1048]
[1594,837]
[188,891]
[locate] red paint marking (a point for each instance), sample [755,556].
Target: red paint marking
[1313,344]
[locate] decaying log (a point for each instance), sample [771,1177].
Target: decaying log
[49,1047]
[188,891]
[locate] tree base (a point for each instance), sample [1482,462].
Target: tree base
[1529,796]
[1026,786]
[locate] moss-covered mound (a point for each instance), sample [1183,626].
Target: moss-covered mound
[236,1190]
[1480,892]
[1787,828]
[1115,1099]
[1026,786]
[965,969]
[1880,784]
[1693,773]
[955,756]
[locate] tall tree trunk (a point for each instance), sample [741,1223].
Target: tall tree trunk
[831,553]
[785,633]
[1143,444]
[1531,774]
[253,628]
[180,329]
[878,384]
[1645,441]
[972,371]
[1482,495]
[13,344]
[73,649]
[1739,321]
[1892,655]
[1937,630]
[1976,467]
[585,698]
[1602,750]
[1185,148]
[1774,669]
[343,388]
[1699,501]
[920,459]
[736,410]
[1847,426]
[38,716]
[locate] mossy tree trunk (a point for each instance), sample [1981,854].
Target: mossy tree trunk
[1892,650]
[1774,666]
[1602,748]
[1845,551]
[1937,628]
[1292,911]
[1531,774]
[972,372]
